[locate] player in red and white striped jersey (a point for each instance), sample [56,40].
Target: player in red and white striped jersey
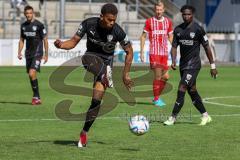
[159,30]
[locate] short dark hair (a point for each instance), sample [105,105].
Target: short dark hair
[109,8]
[188,7]
[28,8]
[159,4]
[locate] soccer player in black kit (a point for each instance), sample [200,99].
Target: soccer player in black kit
[102,35]
[35,35]
[189,35]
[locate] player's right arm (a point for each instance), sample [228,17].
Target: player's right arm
[20,47]
[146,30]
[21,42]
[68,44]
[71,43]
[174,57]
[175,44]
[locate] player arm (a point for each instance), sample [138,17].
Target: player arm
[20,46]
[128,62]
[175,44]
[142,42]
[209,54]
[71,43]
[170,32]
[127,47]
[205,43]
[68,44]
[128,59]
[170,37]
[174,54]
[45,42]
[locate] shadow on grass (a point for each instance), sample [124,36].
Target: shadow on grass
[66,142]
[144,103]
[74,143]
[8,102]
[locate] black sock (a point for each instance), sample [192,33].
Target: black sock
[179,103]
[91,114]
[197,101]
[34,84]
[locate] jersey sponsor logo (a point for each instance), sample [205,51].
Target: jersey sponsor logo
[109,37]
[34,28]
[159,32]
[186,42]
[188,78]
[30,34]
[37,64]
[192,35]
[205,38]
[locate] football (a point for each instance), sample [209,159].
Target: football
[138,124]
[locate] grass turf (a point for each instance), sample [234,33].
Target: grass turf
[34,132]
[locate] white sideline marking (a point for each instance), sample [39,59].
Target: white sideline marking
[103,118]
[206,100]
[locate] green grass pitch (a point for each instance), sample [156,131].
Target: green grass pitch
[34,132]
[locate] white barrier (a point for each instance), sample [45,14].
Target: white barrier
[9,50]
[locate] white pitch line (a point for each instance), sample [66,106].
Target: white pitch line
[103,118]
[206,100]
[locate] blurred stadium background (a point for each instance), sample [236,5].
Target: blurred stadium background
[62,17]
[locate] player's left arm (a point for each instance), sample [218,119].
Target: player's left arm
[170,37]
[170,32]
[128,62]
[43,33]
[127,47]
[45,42]
[205,43]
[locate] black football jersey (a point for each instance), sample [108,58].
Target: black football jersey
[189,37]
[101,40]
[34,33]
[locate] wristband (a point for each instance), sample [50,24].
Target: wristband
[213,66]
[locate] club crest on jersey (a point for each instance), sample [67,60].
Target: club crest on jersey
[37,64]
[34,28]
[192,34]
[189,76]
[109,37]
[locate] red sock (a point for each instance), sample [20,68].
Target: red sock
[161,86]
[156,89]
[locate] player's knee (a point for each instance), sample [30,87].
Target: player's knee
[165,77]
[194,96]
[182,88]
[192,89]
[32,74]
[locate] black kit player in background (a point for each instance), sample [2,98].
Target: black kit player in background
[189,35]
[102,35]
[35,35]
